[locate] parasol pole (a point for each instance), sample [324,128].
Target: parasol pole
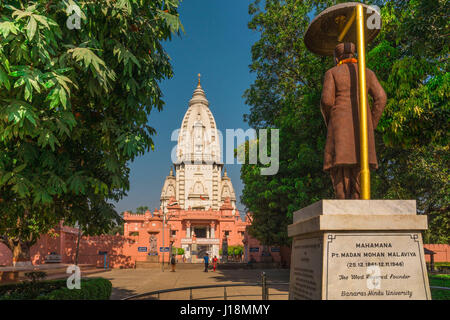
[361,49]
[364,141]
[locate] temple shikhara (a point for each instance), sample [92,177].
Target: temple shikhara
[197,197]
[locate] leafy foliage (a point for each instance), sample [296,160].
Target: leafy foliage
[74,106]
[91,289]
[141,209]
[412,136]
[233,251]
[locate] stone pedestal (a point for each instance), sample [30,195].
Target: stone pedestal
[358,249]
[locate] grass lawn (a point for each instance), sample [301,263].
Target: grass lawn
[440,280]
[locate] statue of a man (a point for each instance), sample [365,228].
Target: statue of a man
[153,244]
[340,109]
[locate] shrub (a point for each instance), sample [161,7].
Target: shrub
[35,276]
[91,289]
[440,280]
[29,290]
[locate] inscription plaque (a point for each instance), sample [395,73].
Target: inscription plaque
[374,266]
[306,270]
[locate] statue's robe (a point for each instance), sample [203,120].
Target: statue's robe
[340,109]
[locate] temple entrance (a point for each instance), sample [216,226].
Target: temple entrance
[200,231]
[202,250]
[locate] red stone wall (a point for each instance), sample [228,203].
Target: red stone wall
[5,255]
[64,244]
[442,252]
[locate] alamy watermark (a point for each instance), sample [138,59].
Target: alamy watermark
[373,17]
[373,277]
[74,17]
[250,146]
[74,280]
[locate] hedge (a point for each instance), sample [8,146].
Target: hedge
[28,290]
[91,289]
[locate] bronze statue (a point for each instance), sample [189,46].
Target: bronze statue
[340,109]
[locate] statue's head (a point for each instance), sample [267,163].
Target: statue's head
[343,51]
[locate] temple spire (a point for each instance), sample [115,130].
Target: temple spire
[199,95]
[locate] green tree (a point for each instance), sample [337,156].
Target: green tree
[141,209]
[411,58]
[412,137]
[117,227]
[74,107]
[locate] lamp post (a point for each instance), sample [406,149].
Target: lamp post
[164,223]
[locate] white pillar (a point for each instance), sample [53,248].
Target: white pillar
[188,232]
[212,232]
[207,232]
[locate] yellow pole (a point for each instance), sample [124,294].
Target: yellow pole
[346,27]
[364,145]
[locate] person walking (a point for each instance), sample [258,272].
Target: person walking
[173,263]
[206,258]
[214,260]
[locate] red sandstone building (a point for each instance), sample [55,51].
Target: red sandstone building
[198,202]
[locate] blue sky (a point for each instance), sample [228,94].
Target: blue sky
[217,44]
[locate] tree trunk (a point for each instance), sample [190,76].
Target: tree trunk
[78,246]
[21,253]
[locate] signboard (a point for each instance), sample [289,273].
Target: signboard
[275,249]
[164,249]
[153,253]
[254,249]
[102,252]
[142,249]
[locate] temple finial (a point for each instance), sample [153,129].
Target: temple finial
[199,75]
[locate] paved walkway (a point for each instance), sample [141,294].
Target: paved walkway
[127,282]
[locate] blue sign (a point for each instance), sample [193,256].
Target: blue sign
[164,249]
[142,249]
[153,253]
[275,249]
[254,249]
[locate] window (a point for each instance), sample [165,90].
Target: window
[227,233]
[134,233]
[173,233]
